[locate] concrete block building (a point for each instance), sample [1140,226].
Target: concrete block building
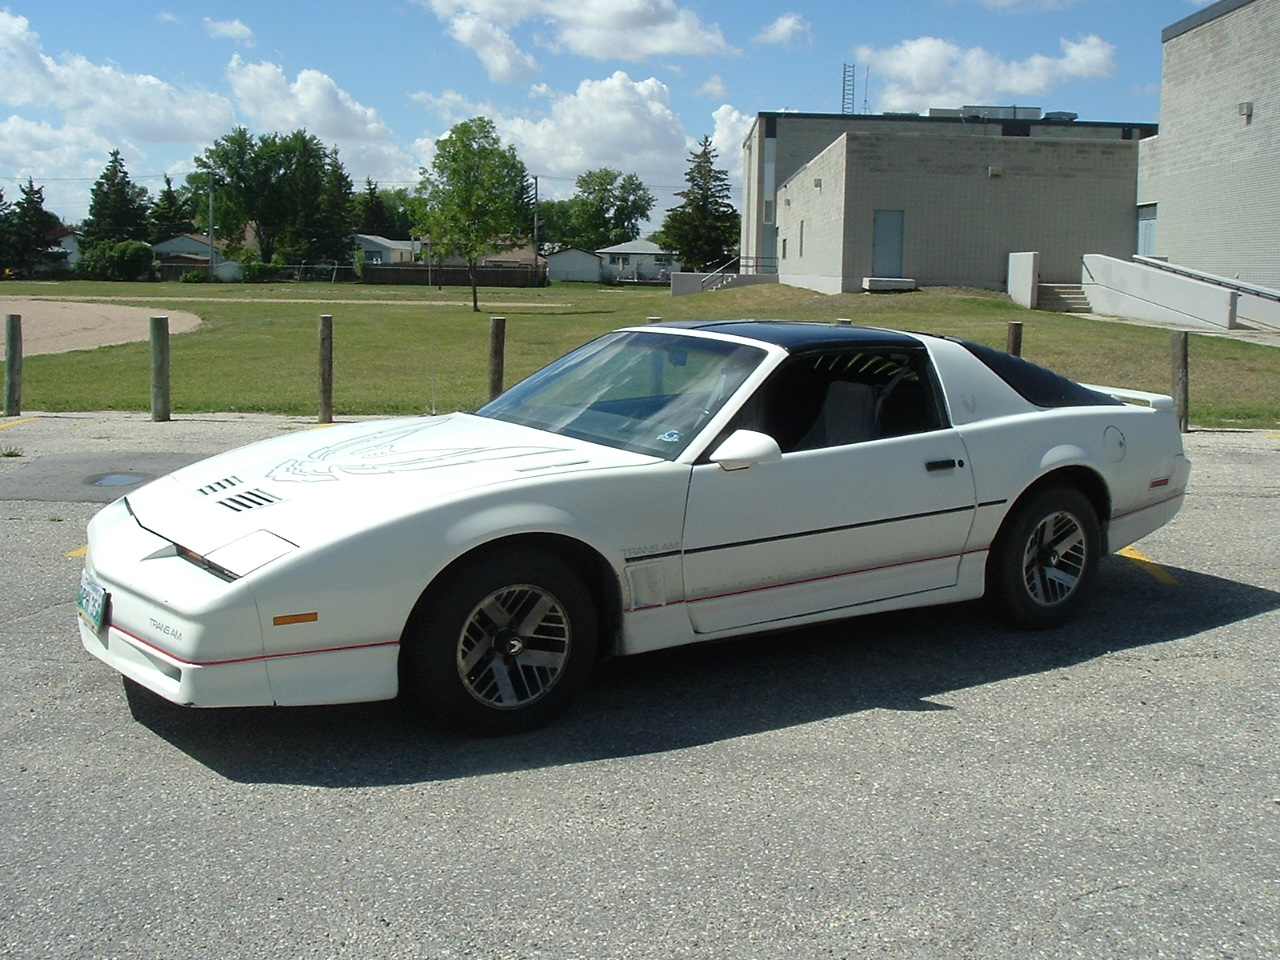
[1209,184]
[829,200]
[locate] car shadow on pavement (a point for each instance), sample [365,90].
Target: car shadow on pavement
[690,696]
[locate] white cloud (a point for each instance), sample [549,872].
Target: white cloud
[103,98]
[731,130]
[632,30]
[616,122]
[713,89]
[229,30]
[315,102]
[505,62]
[788,29]
[929,72]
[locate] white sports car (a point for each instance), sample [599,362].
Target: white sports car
[661,485]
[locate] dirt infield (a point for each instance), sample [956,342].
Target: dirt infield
[58,326]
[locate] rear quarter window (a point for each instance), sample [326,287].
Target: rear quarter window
[1036,384]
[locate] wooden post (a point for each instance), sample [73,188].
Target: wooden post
[497,354]
[325,411]
[160,406]
[12,365]
[1013,338]
[1181,379]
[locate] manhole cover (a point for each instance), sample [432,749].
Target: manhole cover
[117,479]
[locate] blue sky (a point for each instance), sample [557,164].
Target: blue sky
[574,84]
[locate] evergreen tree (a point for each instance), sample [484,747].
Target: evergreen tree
[703,229]
[118,207]
[371,214]
[32,230]
[170,215]
[8,251]
[477,196]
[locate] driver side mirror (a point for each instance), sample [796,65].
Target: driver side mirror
[746,448]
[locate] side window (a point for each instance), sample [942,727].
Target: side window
[833,399]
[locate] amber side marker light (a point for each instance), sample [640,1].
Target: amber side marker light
[291,618]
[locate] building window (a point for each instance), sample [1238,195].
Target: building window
[784,248]
[768,211]
[801,250]
[1147,230]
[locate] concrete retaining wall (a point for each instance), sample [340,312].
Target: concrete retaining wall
[1118,288]
[1024,279]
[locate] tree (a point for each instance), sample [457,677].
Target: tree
[284,188]
[703,229]
[31,228]
[476,196]
[118,207]
[607,208]
[8,249]
[371,214]
[171,214]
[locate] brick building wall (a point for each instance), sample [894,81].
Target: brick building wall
[967,203]
[1213,173]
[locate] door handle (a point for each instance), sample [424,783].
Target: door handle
[934,465]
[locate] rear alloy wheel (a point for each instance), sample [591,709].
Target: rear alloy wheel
[1044,558]
[502,644]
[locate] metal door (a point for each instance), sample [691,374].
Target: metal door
[886,245]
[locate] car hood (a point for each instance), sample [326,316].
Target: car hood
[317,486]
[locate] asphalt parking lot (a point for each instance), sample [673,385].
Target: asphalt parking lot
[924,784]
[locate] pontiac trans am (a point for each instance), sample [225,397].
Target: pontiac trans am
[658,486]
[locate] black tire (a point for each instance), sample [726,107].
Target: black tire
[1044,558]
[500,644]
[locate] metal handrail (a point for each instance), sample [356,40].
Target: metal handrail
[1224,282]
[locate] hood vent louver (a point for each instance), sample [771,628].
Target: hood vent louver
[218,486]
[249,500]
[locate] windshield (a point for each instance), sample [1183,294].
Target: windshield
[647,392]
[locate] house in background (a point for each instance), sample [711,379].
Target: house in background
[637,261]
[829,200]
[380,250]
[1209,184]
[65,240]
[191,252]
[574,265]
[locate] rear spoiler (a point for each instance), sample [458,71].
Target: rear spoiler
[1156,401]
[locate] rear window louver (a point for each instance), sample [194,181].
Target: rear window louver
[249,500]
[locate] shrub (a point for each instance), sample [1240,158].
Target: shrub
[259,272]
[127,260]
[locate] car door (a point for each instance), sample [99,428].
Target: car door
[872,497]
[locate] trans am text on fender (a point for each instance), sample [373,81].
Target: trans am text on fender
[658,486]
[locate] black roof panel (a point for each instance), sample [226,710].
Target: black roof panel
[799,337]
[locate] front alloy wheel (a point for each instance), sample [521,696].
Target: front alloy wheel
[514,646]
[501,643]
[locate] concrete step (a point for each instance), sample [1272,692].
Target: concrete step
[1062,298]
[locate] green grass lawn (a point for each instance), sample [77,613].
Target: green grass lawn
[411,349]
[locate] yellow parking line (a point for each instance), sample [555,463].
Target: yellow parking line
[1153,569]
[14,423]
[78,551]
[1274,436]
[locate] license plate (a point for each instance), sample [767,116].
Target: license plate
[91,602]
